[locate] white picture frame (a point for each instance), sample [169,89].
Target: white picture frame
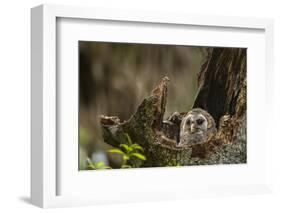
[45,154]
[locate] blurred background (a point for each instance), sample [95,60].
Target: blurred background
[115,77]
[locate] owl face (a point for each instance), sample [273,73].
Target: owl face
[195,124]
[196,127]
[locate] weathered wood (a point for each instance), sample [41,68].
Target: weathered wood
[222,92]
[222,81]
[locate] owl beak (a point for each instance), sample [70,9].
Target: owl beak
[193,128]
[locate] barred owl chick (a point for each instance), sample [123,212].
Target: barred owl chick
[196,127]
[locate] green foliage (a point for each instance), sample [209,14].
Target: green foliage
[95,166]
[174,162]
[130,152]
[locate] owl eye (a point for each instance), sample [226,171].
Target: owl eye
[199,121]
[188,122]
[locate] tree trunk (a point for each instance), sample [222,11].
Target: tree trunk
[222,92]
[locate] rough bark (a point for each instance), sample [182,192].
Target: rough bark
[221,83]
[222,92]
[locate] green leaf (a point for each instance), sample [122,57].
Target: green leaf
[125,147]
[128,138]
[100,164]
[139,156]
[136,146]
[126,157]
[117,151]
